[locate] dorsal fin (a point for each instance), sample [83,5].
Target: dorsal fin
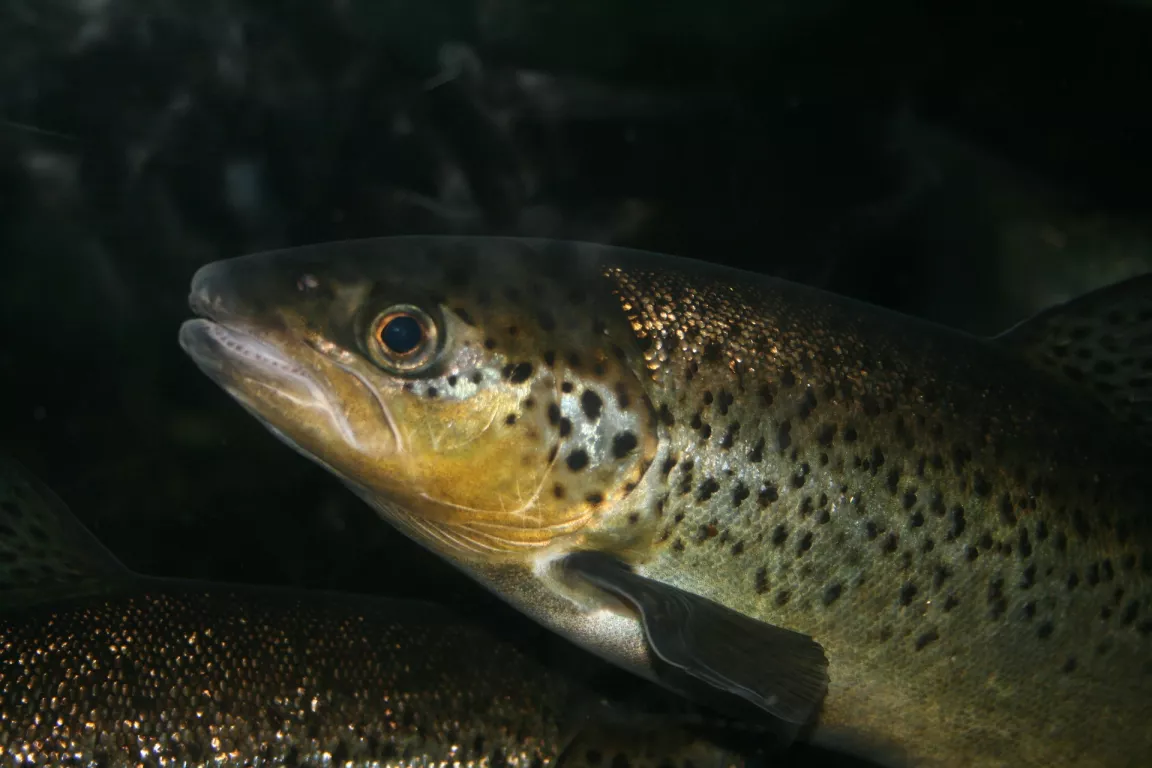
[1100,342]
[45,552]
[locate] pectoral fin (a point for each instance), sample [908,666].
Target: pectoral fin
[782,672]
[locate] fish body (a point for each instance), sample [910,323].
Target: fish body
[101,667]
[918,546]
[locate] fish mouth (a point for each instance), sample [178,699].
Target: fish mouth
[228,354]
[304,397]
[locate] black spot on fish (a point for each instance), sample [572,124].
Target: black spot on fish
[807,404]
[950,602]
[725,401]
[907,593]
[782,597]
[980,485]
[939,576]
[669,464]
[800,476]
[779,535]
[738,548]
[1028,577]
[477,377]
[1130,612]
[870,530]
[917,519]
[550,358]
[558,491]
[832,594]
[594,499]
[957,523]
[761,580]
[729,435]
[1024,544]
[707,489]
[971,553]
[565,427]
[888,546]
[926,638]
[518,373]
[783,435]
[996,602]
[1069,665]
[623,399]
[1007,513]
[767,495]
[623,444]
[740,493]
[805,543]
[591,404]
[510,419]
[554,414]
[577,460]
[1092,575]
[893,482]
[756,455]
[1044,631]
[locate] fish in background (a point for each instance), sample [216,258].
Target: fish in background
[103,667]
[889,537]
[998,243]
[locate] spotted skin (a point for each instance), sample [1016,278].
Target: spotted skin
[102,667]
[964,534]
[972,551]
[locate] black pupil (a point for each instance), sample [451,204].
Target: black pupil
[402,334]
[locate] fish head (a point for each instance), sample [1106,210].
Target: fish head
[486,397]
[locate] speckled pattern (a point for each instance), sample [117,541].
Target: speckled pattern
[971,546]
[172,677]
[966,537]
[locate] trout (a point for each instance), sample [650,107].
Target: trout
[103,667]
[887,536]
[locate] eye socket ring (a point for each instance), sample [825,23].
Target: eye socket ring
[403,338]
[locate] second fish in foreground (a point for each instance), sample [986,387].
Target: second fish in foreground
[102,667]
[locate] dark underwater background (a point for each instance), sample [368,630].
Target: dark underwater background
[970,163]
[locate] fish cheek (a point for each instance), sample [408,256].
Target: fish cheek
[478,461]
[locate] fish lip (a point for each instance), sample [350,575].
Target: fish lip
[227,352]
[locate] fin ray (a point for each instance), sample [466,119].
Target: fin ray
[45,552]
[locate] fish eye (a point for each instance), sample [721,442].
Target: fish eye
[402,338]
